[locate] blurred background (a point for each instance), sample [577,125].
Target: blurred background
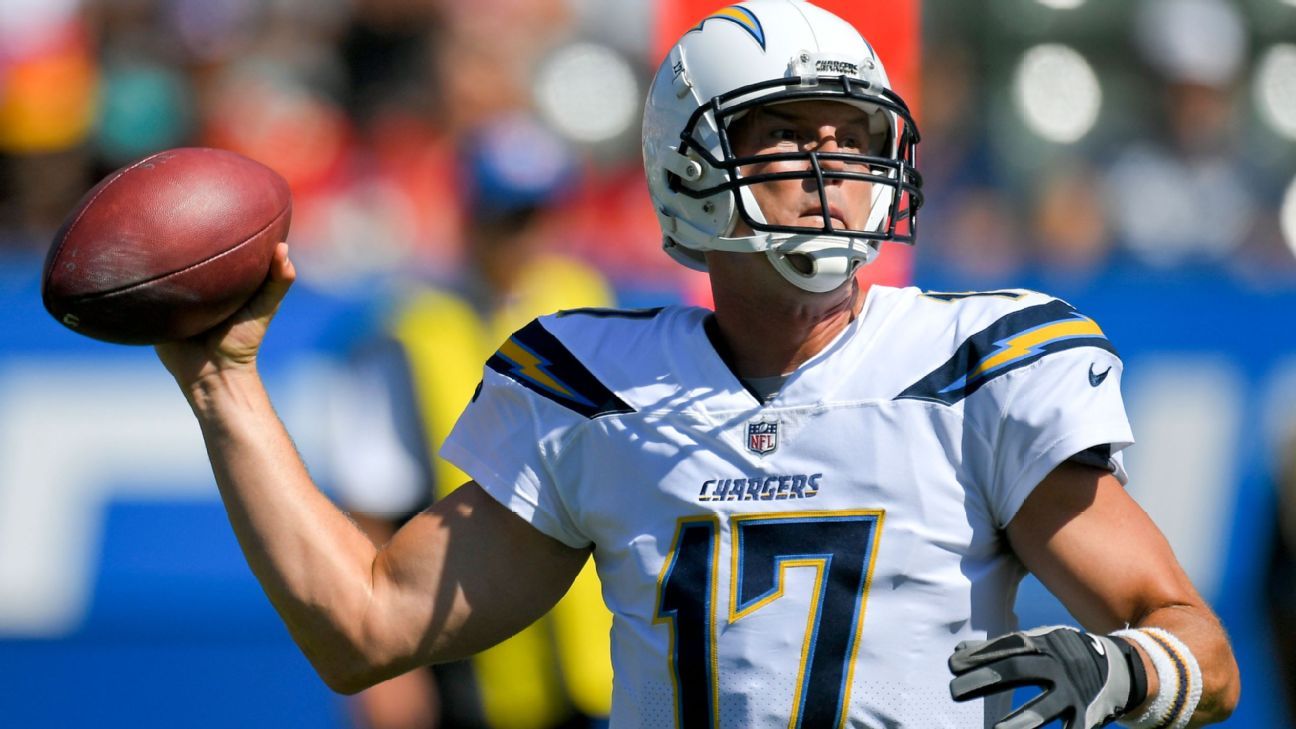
[1135,158]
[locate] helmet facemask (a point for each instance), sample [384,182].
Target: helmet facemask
[769,53]
[831,251]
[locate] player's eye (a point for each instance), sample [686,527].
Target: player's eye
[858,140]
[784,134]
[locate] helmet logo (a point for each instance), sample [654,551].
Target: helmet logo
[745,19]
[838,67]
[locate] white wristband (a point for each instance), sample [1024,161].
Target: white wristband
[1179,679]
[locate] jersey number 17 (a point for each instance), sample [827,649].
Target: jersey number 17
[838,545]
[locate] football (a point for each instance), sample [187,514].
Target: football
[167,247]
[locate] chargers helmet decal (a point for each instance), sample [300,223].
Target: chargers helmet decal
[745,19]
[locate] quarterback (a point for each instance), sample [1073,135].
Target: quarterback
[810,507]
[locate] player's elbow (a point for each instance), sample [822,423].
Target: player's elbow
[347,683]
[1227,706]
[349,677]
[1223,689]
[362,660]
[1220,677]
[345,665]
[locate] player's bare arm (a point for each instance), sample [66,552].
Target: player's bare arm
[1091,544]
[361,614]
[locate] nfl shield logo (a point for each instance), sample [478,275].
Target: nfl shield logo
[762,436]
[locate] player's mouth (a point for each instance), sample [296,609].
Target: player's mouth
[814,217]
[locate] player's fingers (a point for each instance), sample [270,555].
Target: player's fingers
[281,266]
[970,654]
[963,657]
[266,301]
[1027,719]
[975,684]
[1034,713]
[1000,676]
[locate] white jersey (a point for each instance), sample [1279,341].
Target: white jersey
[810,561]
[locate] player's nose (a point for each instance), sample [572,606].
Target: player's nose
[827,140]
[828,143]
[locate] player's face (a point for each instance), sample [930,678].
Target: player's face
[807,126]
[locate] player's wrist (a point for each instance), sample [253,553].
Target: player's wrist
[1141,681]
[212,393]
[1175,683]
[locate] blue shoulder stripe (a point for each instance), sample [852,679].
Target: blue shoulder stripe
[535,359]
[603,312]
[1015,340]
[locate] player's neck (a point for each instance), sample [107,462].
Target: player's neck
[764,337]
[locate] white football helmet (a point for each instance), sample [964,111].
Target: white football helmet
[764,52]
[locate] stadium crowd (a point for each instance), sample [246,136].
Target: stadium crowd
[367,106]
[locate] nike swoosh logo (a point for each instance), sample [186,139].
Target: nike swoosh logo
[1097,644]
[1096,378]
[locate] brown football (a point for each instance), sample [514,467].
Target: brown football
[167,247]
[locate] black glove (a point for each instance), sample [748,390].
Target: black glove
[1088,679]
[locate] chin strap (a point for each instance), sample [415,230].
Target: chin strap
[826,274]
[831,265]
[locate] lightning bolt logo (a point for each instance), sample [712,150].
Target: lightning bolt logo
[1017,339]
[742,17]
[534,368]
[1028,344]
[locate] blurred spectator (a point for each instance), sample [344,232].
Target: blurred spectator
[410,383]
[967,224]
[981,237]
[145,106]
[389,50]
[1183,194]
[48,77]
[1068,222]
[490,52]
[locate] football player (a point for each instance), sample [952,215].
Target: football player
[808,507]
